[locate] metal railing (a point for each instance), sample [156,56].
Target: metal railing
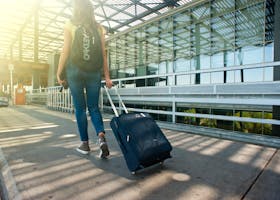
[58,99]
[37,96]
[258,95]
[250,94]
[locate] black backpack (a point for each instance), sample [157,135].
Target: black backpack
[86,51]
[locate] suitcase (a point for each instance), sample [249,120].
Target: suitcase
[141,140]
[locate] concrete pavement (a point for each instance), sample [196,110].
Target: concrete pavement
[38,161]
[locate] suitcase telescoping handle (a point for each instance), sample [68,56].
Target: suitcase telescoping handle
[111,102]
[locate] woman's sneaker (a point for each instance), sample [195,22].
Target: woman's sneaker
[83,148]
[104,151]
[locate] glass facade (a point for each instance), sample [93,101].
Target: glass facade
[197,44]
[214,34]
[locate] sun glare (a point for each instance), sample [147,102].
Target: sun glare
[17,16]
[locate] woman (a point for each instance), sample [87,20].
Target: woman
[80,80]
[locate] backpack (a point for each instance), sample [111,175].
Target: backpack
[86,51]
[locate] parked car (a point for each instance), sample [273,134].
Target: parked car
[4,100]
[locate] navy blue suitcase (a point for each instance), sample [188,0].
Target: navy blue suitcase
[141,140]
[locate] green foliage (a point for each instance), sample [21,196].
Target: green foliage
[246,127]
[208,122]
[190,120]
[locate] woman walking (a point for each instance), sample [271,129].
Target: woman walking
[84,57]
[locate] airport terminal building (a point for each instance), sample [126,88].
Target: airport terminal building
[208,63]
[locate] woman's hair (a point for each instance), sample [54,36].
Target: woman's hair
[83,14]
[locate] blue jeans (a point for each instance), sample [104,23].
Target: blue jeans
[79,80]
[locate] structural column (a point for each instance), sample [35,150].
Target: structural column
[36,33]
[11,52]
[36,79]
[53,63]
[197,52]
[276,71]
[20,45]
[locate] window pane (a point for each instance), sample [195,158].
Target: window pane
[217,60]
[249,55]
[204,62]
[162,68]
[253,75]
[205,78]
[253,55]
[152,69]
[230,76]
[183,80]
[182,65]
[170,67]
[170,80]
[162,81]
[269,52]
[268,74]
[217,77]
[229,58]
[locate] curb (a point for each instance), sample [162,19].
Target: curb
[7,183]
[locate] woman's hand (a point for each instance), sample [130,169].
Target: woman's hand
[60,82]
[109,83]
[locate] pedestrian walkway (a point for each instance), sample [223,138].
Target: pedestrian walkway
[38,161]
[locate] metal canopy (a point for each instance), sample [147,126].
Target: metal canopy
[31,30]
